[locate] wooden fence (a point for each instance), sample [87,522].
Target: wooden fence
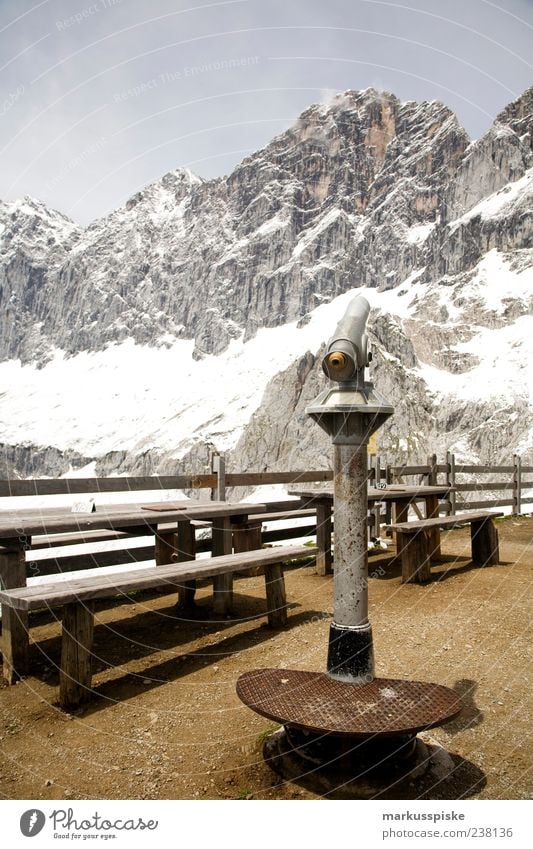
[514,482]
[509,485]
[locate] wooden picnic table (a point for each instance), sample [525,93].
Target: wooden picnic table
[400,495]
[171,524]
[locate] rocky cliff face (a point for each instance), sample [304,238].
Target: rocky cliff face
[365,192]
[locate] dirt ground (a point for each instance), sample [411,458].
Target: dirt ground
[165,722]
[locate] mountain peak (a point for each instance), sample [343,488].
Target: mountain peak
[171,188]
[519,115]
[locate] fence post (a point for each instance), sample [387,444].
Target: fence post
[432,470]
[517,484]
[218,467]
[450,479]
[388,504]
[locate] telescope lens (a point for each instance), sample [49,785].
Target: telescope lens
[336,361]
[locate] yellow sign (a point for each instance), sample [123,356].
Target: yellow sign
[373,444]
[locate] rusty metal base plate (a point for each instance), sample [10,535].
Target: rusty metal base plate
[313,701]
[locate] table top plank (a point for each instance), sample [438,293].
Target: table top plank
[394,492]
[20,524]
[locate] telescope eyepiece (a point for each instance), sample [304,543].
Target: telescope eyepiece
[336,361]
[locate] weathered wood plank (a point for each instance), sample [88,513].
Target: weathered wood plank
[465,468]
[275,595]
[265,478]
[287,514]
[409,470]
[480,487]
[433,531]
[476,505]
[58,540]
[65,562]
[485,545]
[222,541]
[86,588]
[75,675]
[413,549]
[165,547]
[186,543]
[442,521]
[247,535]
[75,486]
[401,512]
[15,637]
[79,562]
[288,533]
[46,521]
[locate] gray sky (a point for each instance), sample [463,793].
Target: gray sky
[100,97]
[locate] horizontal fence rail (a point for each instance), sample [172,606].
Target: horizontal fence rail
[79,486]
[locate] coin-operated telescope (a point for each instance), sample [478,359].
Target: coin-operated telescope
[350,410]
[347,353]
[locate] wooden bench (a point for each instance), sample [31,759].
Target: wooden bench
[76,597]
[417,545]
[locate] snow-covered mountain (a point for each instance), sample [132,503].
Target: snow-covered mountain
[154,332]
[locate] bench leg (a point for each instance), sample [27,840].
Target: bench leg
[76,645]
[323,539]
[433,534]
[186,539]
[177,546]
[413,549]
[15,643]
[485,546]
[222,584]
[246,535]
[275,595]
[223,594]
[15,635]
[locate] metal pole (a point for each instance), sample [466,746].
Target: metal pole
[350,655]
